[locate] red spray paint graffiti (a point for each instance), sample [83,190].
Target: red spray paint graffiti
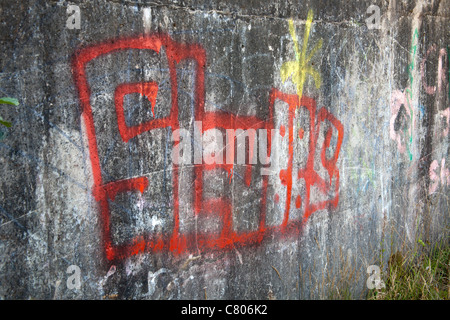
[227,238]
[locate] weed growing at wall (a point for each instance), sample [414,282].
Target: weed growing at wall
[416,276]
[11,101]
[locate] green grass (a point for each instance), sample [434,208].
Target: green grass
[416,276]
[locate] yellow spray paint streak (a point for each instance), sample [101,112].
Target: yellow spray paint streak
[301,67]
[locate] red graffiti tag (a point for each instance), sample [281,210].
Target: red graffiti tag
[148,89]
[221,207]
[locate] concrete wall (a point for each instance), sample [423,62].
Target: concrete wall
[363,165]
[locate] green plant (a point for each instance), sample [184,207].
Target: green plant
[11,101]
[425,277]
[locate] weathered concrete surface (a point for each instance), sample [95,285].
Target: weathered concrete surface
[381,184]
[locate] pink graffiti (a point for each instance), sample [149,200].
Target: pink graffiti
[443,178]
[398,98]
[441,78]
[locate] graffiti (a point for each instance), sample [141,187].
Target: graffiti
[402,120]
[177,241]
[302,66]
[147,89]
[441,78]
[445,114]
[442,178]
[310,176]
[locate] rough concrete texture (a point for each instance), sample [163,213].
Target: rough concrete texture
[363,168]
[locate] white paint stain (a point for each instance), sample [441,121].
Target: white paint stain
[151,280]
[239,255]
[147,19]
[155,222]
[103,280]
[134,264]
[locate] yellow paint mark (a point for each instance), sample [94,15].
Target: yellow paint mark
[301,67]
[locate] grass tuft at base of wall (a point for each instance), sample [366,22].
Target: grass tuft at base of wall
[423,276]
